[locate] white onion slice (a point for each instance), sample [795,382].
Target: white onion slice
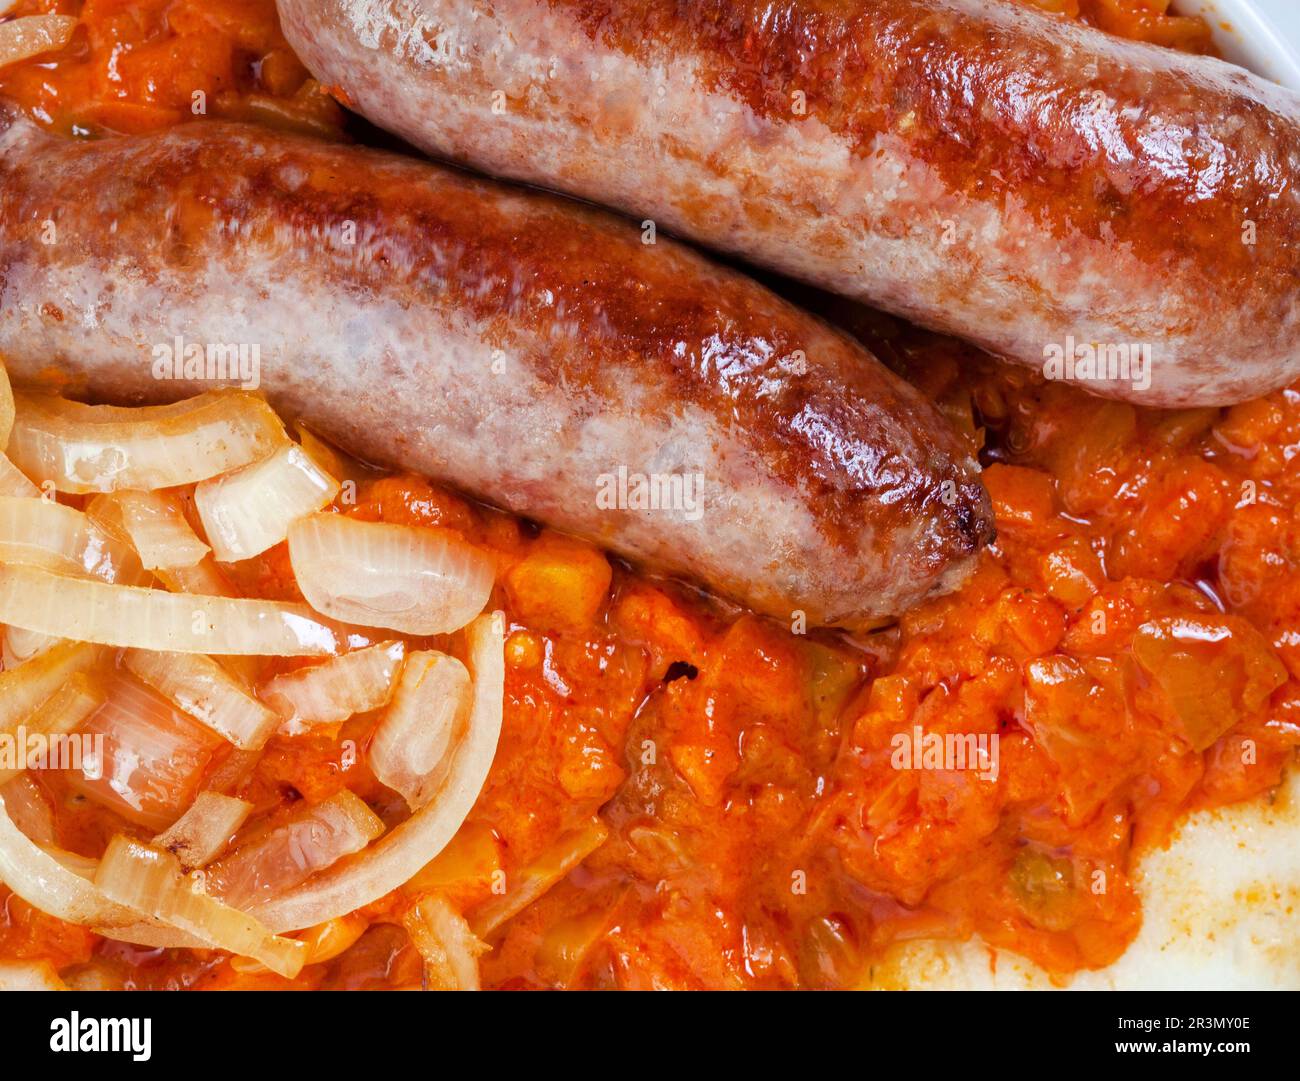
[29,809]
[151,757]
[140,618]
[102,448]
[287,855]
[406,848]
[33,35]
[207,692]
[158,529]
[42,533]
[13,481]
[203,579]
[202,833]
[331,692]
[248,511]
[24,688]
[150,880]
[6,391]
[428,716]
[21,645]
[445,942]
[41,880]
[58,715]
[416,580]
[539,876]
[328,457]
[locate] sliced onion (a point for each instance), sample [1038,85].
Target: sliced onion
[399,854]
[429,715]
[416,580]
[539,876]
[326,941]
[153,756]
[329,693]
[13,481]
[204,579]
[42,533]
[33,35]
[58,715]
[150,880]
[21,645]
[82,866]
[246,512]
[23,689]
[103,448]
[448,947]
[202,833]
[330,459]
[6,391]
[287,855]
[158,529]
[207,692]
[139,618]
[41,880]
[29,809]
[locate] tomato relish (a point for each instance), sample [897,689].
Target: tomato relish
[686,795]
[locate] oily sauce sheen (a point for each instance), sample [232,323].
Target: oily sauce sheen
[705,799]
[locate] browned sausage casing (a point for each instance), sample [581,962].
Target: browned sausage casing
[515,345]
[1103,210]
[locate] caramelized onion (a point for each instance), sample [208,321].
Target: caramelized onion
[33,35]
[150,880]
[202,833]
[158,529]
[416,580]
[152,619]
[102,448]
[428,716]
[288,854]
[207,692]
[246,512]
[328,693]
[448,947]
[406,848]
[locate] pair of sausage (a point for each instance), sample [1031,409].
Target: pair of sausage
[538,354]
[1106,211]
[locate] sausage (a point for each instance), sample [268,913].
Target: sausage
[530,351]
[1106,211]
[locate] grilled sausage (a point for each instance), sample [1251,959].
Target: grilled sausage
[532,352]
[1105,211]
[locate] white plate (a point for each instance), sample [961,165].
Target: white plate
[1262,35]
